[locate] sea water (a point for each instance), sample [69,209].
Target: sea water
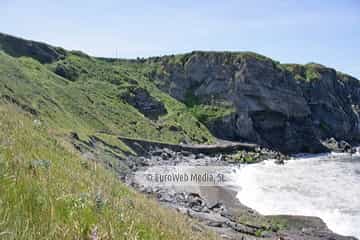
[326,186]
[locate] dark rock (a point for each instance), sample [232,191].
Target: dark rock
[165,156]
[241,228]
[140,99]
[25,107]
[68,71]
[18,47]
[280,162]
[199,156]
[174,128]
[332,144]
[195,201]
[344,146]
[208,218]
[290,108]
[186,153]
[215,224]
[156,152]
[92,142]
[216,205]
[180,197]
[75,136]
[341,146]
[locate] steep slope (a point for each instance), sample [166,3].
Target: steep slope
[79,93]
[47,191]
[246,96]
[333,99]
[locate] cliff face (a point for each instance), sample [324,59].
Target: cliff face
[238,96]
[291,108]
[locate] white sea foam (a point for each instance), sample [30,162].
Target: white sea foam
[327,186]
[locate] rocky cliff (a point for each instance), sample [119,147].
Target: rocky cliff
[292,108]
[239,96]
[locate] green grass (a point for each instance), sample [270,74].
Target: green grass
[91,103]
[244,157]
[306,73]
[208,113]
[47,190]
[67,199]
[312,73]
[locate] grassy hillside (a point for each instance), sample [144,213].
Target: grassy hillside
[54,102]
[49,192]
[79,93]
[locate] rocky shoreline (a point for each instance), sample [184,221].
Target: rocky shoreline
[215,207]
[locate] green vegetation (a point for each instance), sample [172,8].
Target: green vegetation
[312,73]
[49,192]
[207,113]
[307,73]
[88,102]
[245,157]
[220,56]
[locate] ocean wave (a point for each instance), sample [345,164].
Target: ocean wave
[325,185]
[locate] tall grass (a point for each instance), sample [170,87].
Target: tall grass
[47,191]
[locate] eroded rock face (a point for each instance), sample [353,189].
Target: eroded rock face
[333,104]
[140,99]
[282,107]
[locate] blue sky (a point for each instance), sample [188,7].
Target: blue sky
[324,31]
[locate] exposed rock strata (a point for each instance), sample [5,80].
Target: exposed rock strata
[291,108]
